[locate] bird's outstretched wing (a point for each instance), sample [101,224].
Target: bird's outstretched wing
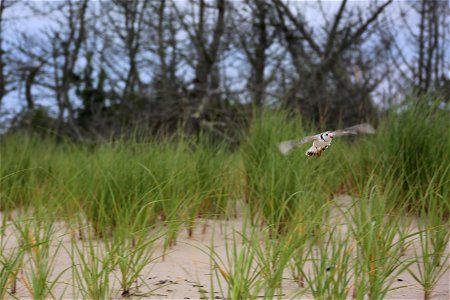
[364,128]
[287,146]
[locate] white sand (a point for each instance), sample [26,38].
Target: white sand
[185,272]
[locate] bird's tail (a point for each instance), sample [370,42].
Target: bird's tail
[286,147]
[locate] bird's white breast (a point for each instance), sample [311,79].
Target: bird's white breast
[321,143]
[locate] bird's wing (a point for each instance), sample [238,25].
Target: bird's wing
[343,132]
[287,146]
[364,128]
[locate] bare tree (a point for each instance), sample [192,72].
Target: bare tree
[65,43]
[430,41]
[420,58]
[28,66]
[255,37]
[326,88]
[5,76]
[50,59]
[166,87]
[127,19]
[206,38]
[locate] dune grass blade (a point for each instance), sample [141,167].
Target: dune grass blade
[332,265]
[376,228]
[432,255]
[91,270]
[237,275]
[10,261]
[37,233]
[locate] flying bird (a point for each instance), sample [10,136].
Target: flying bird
[323,140]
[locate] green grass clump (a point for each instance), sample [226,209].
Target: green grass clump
[92,267]
[432,257]
[36,235]
[332,264]
[11,261]
[380,243]
[276,185]
[237,275]
[412,148]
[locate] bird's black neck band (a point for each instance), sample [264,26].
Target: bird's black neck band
[321,137]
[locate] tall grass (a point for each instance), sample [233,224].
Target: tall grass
[411,148]
[332,263]
[92,267]
[376,227]
[237,275]
[432,261]
[36,237]
[276,185]
[11,260]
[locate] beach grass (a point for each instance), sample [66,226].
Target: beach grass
[119,198]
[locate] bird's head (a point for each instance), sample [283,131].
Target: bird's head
[327,136]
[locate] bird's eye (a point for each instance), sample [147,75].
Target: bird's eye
[326,134]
